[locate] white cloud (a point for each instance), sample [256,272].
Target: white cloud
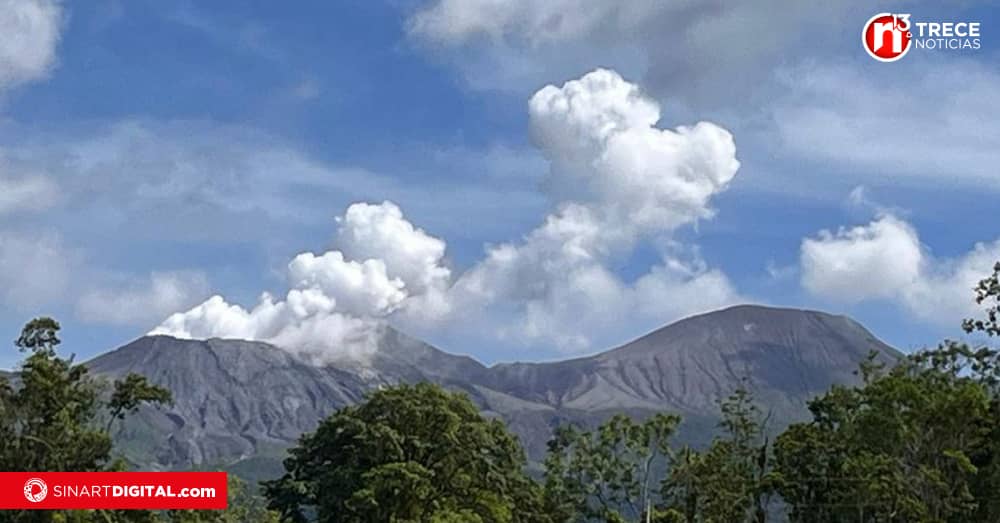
[336,299]
[379,231]
[600,135]
[455,22]
[305,322]
[867,123]
[189,184]
[361,288]
[556,288]
[618,179]
[29,193]
[227,169]
[621,180]
[884,260]
[35,269]
[29,34]
[192,181]
[679,288]
[702,52]
[142,302]
[871,261]
[789,93]
[39,271]
[945,293]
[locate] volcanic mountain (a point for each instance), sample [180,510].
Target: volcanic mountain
[239,404]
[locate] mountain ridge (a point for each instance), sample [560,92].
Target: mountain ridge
[237,400]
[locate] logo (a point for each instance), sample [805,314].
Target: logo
[30,492]
[887,36]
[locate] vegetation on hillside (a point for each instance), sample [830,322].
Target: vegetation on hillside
[916,441]
[409,453]
[57,418]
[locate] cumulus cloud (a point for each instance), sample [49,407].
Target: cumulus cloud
[336,299]
[30,30]
[557,289]
[199,185]
[871,261]
[305,322]
[805,103]
[139,302]
[617,181]
[620,180]
[381,232]
[600,135]
[885,260]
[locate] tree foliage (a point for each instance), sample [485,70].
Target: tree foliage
[919,441]
[728,481]
[243,507]
[48,420]
[915,440]
[56,418]
[609,474]
[408,454]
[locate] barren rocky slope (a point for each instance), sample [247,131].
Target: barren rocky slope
[239,403]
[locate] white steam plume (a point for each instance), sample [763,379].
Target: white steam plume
[618,180]
[337,298]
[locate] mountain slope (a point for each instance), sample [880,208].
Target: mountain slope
[787,356]
[232,399]
[238,400]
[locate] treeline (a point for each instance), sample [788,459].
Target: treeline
[915,441]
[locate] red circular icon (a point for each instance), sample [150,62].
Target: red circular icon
[886,37]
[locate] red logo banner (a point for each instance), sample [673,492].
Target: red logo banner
[112,490]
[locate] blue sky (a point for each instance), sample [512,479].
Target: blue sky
[154,154]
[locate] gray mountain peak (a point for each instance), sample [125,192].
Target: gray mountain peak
[240,403]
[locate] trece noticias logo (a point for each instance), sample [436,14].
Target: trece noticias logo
[888,37]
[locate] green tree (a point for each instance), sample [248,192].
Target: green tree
[987,459]
[609,474]
[407,454]
[902,446]
[730,481]
[987,292]
[915,442]
[243,507]
[49,418]
[131,392]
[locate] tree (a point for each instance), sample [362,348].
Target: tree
[987,291]
[608,474]
[130,393]
[48,419]
[410,453]
[987,459]
[243,507]
[729,481]
[903,446]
